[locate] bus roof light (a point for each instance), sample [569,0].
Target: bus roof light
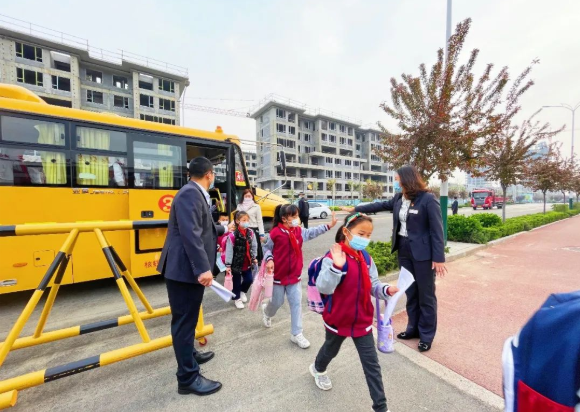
[218,129]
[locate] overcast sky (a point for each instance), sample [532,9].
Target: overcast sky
[337,55]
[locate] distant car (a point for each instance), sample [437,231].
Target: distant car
[318,210]
[366,203]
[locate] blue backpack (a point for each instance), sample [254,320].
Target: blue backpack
[316,300]
[541,364]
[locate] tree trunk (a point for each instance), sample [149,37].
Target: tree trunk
[564,193]
[544,202]
[504,188]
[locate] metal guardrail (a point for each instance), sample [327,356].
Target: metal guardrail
[10,387]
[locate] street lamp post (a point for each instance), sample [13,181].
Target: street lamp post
[573,110]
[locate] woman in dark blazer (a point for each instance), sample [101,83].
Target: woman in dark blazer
[418,237]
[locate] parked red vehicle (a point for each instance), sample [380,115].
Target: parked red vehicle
[486,199]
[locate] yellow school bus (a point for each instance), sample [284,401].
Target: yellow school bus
[65,165]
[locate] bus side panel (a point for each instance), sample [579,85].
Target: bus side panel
[146,245]
[25,259]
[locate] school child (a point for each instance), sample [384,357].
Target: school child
[241,254]
[284,249]
[221,253]
[348,282]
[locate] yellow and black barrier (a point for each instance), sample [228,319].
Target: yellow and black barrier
[9,388]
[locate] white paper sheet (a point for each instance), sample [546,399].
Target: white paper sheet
[222,292]
[406,279]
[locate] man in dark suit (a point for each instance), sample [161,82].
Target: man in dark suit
[454,205]
[304,210]
[187,261]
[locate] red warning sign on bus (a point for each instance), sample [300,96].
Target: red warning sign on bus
[165,203]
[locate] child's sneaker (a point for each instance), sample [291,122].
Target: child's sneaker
[243,297]
[300,340]
[321,379]
[266,319]
[239,304]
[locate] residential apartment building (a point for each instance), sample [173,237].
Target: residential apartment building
[319,147]
[251,166]
[63,70]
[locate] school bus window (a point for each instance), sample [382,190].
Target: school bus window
[20,130]
[25,166]
[100,169]
[157,165]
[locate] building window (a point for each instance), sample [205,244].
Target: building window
[337,161]
[338,175]
[307,137]
[29,77]
[157,119]
[120,101]
[280,128]
[323,124]
[350,142]
[342,128]
[328,160]
[145,82]
[281,114]
[94,97]
[292,130]
[292,117]
[324,137]
[350,131]
[329,174]
[332,126]
[166,104]
[307,125]
[332,138]
[28,52]
[356,164]
[167,85]
[146,100]
[94,76]
[120,82]
[308,149]
[348,162]
[347,175]
[61,83]
[358,147]
[343,140]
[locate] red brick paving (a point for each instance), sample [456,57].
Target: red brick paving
[490,295]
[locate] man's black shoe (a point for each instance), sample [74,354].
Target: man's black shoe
[203,357]
[201,386]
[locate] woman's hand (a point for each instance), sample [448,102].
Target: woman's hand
[270,266]
[338,256]
[229,271]
[334,220]
[348,209]
[440,269]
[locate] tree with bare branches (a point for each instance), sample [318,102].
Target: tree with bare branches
[542,173]
[446,117]
[510,151]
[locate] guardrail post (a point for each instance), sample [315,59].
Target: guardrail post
[130,279]
[31,305]
[54,288]
[122,287]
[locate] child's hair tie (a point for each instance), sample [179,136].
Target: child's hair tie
[350,219]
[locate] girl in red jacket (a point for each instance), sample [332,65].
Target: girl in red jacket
[349,282]
[285,248]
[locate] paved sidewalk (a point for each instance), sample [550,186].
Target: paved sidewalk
[489,295]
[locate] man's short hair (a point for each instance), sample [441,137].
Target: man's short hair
[301,194]
[454,197]
[199,167]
